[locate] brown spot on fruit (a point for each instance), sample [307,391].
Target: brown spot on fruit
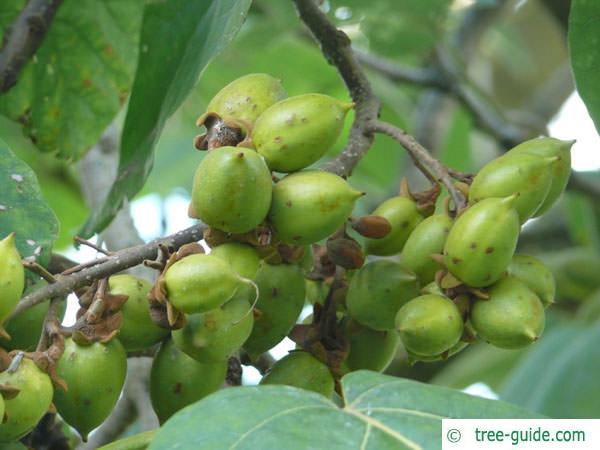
[456,260]
[177,388]
[473,245]
[489,250]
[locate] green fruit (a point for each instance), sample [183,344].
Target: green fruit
[535,275]
[432,288]
[429,325]
[26,327]
[247,97]
[12,276]
[94,375]
[526,175]
[561,167]
[280,302]
[138,331]
[427,238]
[25,410]
[215,335]
[302,370]
[403,215]
[377,291]
[232,189]
[482,241]
[295,132]
[199,283]
[242,258]
[512,317]
[370,349]
[458,347]
[309,206]
[176,380]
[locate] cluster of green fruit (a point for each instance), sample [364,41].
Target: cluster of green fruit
[93,372]
[471,281]
[457,276]
[233,189]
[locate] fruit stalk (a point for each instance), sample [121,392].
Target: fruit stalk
[427,164]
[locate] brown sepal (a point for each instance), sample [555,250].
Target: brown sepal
[375,227]
[427,199]
[46,362]
[220,132]
[261,236]
[345,252]
[291,253]
[100,331]
[323,268]
[193,248]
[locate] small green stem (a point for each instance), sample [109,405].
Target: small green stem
[139,441]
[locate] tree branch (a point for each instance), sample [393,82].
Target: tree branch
[419,76]
[23,38]
[431,167]
[336,47]
[449,78]
[121,260]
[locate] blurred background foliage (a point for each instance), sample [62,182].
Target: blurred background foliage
[511,56]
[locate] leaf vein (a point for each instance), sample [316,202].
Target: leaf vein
[384,428]
[412,412]
[264,422]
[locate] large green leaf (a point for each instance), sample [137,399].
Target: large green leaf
[380,412]
[80,76]
[584,42]
[559,376]
[179,37]
[22,208]
[57,179]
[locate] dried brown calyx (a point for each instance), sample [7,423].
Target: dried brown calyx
[220,132]
[325,338]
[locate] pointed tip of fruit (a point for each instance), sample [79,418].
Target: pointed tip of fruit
[531,335]
[10,239]
[347,106]
[356,194]
[568,143]
[511,199]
